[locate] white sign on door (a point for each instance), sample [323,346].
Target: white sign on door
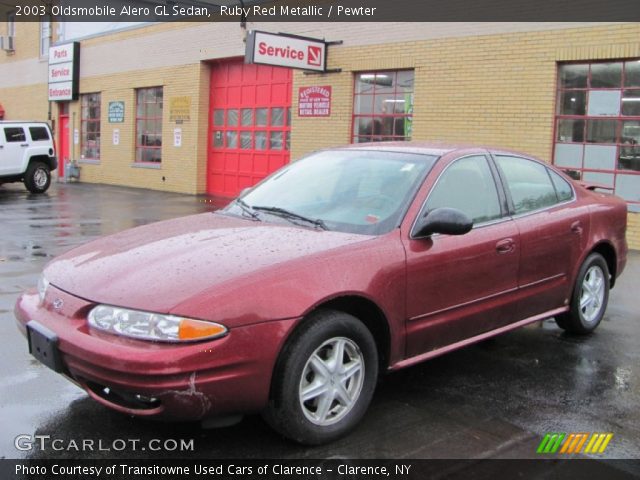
[116,136]
[177,137]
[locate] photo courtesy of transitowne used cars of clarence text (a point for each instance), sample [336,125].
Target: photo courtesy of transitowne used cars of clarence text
[347,264]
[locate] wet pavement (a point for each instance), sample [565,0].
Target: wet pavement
[495,399]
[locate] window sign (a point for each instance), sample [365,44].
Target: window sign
[179,109]
[116,112]
[314,101]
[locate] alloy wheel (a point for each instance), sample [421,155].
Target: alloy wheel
[592,294]
[331,381]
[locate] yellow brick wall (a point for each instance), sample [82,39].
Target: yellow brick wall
[181,169]
[27,41]
[28,102]
[496,90]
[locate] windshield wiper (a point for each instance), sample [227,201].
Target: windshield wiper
[247,209]
[283,212]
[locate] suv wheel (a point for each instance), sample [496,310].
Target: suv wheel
[38,177]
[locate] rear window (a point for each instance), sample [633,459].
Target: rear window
[528,182]
[563,189]
[39,133]
[14,134]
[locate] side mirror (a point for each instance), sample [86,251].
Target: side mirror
[449,221]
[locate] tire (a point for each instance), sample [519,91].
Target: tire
[342,392]
[37,178]
[589,299]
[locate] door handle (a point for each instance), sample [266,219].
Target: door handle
[24,144]
[576,227]
[505,246]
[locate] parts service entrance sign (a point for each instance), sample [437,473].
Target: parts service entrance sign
[286,51]
[64,72]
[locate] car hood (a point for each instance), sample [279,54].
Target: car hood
[158,266]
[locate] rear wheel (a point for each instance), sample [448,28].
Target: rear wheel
[590,297]
[324,379]
[37,178]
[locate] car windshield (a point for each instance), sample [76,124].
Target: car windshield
[354,191]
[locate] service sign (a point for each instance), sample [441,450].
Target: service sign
[314,101]
[61,72]
[286,51]
[64,72]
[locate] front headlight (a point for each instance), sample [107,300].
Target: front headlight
[152,326]
[43,284]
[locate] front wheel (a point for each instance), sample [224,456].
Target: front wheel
[590,297]
[324,379]
[37,177]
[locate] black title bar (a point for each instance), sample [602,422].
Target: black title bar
[324,11]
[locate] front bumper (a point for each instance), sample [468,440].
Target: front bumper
[190,381]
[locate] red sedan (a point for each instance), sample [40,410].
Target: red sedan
[338,267]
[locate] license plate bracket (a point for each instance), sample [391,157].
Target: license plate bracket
[43,345]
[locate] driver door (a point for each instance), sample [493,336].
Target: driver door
[461,286]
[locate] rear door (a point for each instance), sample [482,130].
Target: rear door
[552,229]
[13,146]
[461,286]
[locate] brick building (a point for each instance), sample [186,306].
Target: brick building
[171,106]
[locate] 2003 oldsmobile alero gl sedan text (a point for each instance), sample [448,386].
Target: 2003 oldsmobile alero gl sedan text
[338,267]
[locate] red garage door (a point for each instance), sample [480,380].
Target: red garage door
[249,119]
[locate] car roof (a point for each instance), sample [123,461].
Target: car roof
[420,147]
[431,148]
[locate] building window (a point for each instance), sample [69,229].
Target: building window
[149,124]
[90,126]
[382,106]
[45,36]
[598,125]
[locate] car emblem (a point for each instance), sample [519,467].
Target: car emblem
[58,303]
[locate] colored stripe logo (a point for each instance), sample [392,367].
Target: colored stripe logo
[573,443]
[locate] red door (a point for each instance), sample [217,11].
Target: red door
[63,138]
[249,118]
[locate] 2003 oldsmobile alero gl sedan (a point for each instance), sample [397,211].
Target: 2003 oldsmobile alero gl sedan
[345,264]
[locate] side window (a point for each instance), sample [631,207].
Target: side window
[563,189]
[38,133]
[467,185]
[14,134]
[528,182]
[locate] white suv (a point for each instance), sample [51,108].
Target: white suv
[27,154]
